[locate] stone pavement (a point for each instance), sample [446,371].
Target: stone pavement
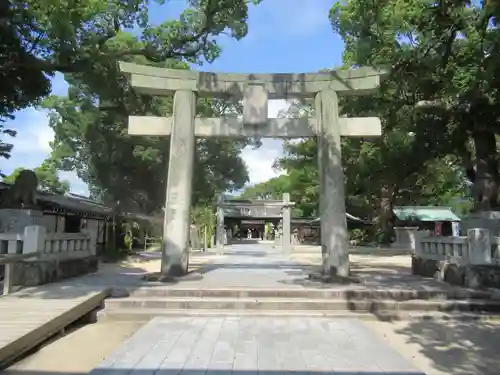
[233,345]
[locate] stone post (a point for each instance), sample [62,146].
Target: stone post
[334,237]
[219,229]
[479,244]
[176,225]
[34,239]
[92,233]
[286,238]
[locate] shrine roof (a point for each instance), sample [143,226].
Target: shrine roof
[425,213]
[70,204]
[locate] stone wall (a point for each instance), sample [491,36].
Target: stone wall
[38,272]
[38,257]
[464,261]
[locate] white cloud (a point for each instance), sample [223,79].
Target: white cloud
[32,146]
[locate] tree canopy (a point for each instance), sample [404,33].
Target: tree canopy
[438,106]
[84,40]
[90,124]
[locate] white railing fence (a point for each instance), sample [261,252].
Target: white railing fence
[35,244]
[477,248]
[35,239]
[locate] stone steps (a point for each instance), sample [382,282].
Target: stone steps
[390,294]
[382,304]
[145,315]
[307,304]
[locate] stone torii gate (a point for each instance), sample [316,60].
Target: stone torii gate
[255,90]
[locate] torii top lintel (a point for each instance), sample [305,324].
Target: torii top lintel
[160,81]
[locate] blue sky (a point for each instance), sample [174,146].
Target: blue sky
[284,36]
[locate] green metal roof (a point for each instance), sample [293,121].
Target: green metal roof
[348,216]
[425,213]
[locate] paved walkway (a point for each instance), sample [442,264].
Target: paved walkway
[235,345]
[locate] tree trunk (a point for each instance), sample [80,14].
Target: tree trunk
[388,193]
[486,177]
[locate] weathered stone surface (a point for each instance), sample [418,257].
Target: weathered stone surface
[416,265]
[482,276]
[470,276]
[287,224]
[334,236]
[255,89]
[38,272]
[119,293]
[177,220]
[479,243]
[260,345]
[219,227]
[453,274]
[255,105]
[22,193]
[272,128]
[14,220]
[160,81]
[158,277]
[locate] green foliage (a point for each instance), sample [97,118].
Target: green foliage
[84,40]
[92,138]
[48,180]
[272,189]
[443,85]
[379,173]
[359,236]
[130,230]
[300,161]
[71,37]
[5,147]
[22,84]
[203,217]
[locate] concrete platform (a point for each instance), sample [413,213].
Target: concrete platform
[232,345]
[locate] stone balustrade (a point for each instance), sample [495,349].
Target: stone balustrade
[68,244]
[471,260]
[443,248]
[35,239]
[35,257]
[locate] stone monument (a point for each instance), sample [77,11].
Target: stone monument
[18,208]
[255,90]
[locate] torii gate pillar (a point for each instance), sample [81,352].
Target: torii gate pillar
[334,235]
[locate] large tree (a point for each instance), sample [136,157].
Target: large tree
[445,67]
[398,168]
[40,38]
[91,137]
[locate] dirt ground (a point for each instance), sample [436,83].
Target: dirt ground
[78,352]
[151,262]
[443,348]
